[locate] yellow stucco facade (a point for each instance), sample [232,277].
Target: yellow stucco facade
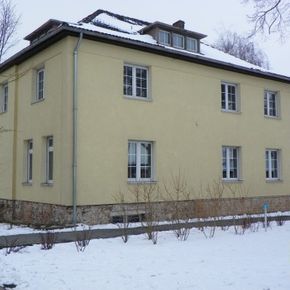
[182,118]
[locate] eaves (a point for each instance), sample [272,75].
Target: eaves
[64,31]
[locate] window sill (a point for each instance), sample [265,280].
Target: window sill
[37,101]
[47,184]
[179,47]
[27,183]
[274,180]
[231,112]
[228,180]
[142,181]
[138,98]
[272,117]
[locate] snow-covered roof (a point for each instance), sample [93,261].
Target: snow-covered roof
[130,31]
[119,25]
[114,25]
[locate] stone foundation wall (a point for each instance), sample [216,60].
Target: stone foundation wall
[33,213]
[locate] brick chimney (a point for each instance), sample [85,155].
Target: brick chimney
[179,24]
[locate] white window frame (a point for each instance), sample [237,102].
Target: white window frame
[161,40]
[138,162]
[228,150]
[267,104]
[40,84]
[174,43]
[29,161]
[195,45]
[227,105]
[4,98]
[269,164]
[49,149]
[134,82]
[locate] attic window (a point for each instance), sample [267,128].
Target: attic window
[164,37]
[178,40]
[191,44]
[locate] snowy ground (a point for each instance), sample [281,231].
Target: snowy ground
[253,261]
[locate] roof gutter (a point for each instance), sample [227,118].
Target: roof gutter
[66,30]
[74,141]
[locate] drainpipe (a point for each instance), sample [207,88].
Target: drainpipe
[14,157]
[75,109]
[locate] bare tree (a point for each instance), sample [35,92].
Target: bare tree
[8,23]
[241,47]
[270,16]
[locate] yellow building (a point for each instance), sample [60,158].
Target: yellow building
[92,109]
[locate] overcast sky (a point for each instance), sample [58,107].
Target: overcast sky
[206,16]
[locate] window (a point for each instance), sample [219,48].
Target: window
[40,84]
[272,157]
[139,161]
[164,37]
[191,44]
[49,159]
[178,40]
[229,100]
[271,104]
[29,159]
[135,81]
[4,99]
[230,162]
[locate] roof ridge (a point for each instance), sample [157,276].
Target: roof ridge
[90,17]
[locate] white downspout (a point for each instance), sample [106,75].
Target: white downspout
[75,110]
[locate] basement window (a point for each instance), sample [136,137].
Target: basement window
[134,218]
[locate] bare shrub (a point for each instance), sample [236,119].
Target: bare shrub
[238,194]
[267,225]
[208,232]
[47,240]
[180,205]
[254,227]
[12,247]
[224,228]
[146,197]
[154,237]
[83,239]
[124,223]
[245,223]
[280,221]
[215,192]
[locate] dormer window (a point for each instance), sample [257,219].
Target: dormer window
[191,44]
[174,35]
[177,41]
[164,37]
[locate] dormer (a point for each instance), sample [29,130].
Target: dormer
[174,35]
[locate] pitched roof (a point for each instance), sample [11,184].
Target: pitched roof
[126,31]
